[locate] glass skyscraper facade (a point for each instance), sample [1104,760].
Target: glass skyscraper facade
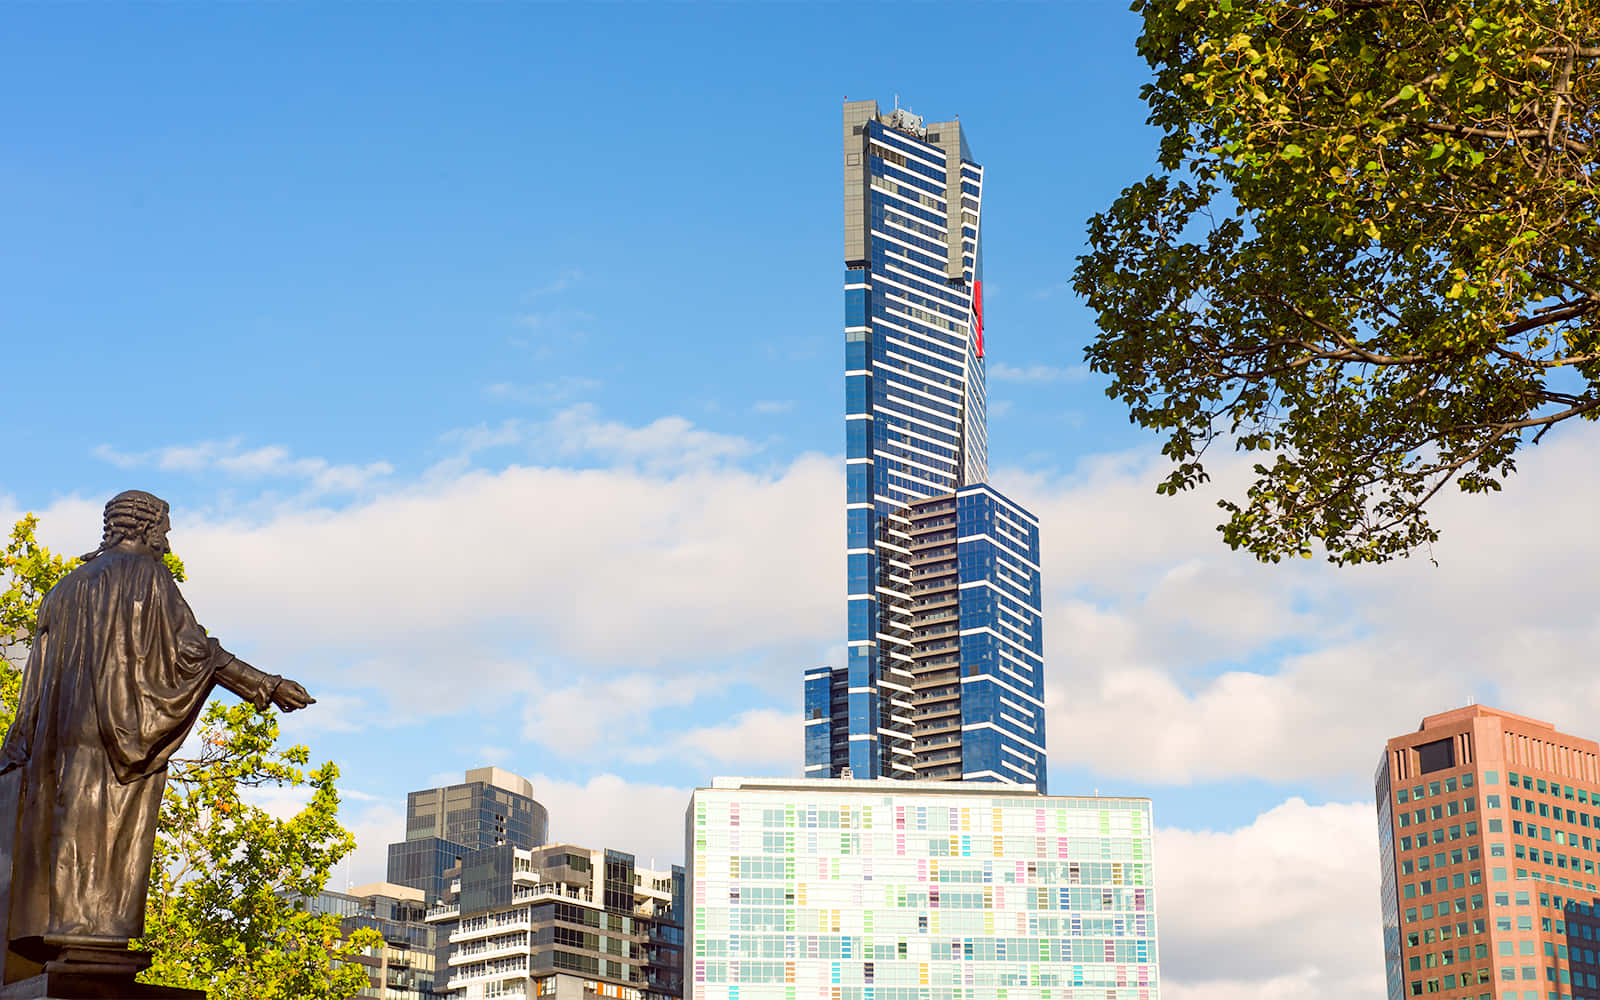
[943,619]
[443,825]
[820,889]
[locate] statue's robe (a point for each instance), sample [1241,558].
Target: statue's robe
[118,673]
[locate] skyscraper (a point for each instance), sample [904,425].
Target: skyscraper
[944,672]
[1489,833]
[490,808]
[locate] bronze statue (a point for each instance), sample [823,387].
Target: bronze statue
[118,674]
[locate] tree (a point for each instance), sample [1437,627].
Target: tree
[226,885]
[225,911]
[1370,256]
[29,570]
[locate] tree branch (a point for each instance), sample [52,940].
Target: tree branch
[1506,134]
[1586,51]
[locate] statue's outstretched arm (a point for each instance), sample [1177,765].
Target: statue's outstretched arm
[259,688]
[246,681]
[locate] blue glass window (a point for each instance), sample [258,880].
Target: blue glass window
[855,355]
[859,529]
[855,393]
[855,307]
[858,483]
[858,439]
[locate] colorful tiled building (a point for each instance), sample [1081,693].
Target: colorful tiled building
[829,889]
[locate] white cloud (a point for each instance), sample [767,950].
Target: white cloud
[546,331]
[571,719]
[771,406]
[551,391]
[560,283]
[375,828]
[1305,984]
[645,820]
[170,458]
[641,818]
[1311,721]
[1286,907]
[267,462]
[578,431]
[1171,658]
[673,555]
[663,443]
[334,712]
[555,320]
[999,371]
[279,802]
[762,738]
[468,441]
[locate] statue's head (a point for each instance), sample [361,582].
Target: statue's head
[135,516]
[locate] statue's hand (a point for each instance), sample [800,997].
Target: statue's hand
[289,695]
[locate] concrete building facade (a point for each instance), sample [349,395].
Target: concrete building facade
[562,919]
[402,967]
[1489,834]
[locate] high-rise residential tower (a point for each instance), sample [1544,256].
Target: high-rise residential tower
[944,672]
[562,922]
[1489,833]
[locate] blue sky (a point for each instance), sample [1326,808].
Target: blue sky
[490,357]
[380,208]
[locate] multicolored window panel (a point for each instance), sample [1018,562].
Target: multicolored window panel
[816,889]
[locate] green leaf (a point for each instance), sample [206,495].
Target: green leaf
[1254,305]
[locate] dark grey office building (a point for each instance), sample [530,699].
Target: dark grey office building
[491,808]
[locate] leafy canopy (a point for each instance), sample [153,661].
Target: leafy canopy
[227,878]
[1370,255]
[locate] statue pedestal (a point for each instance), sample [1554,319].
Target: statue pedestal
[78,967]
[77,986]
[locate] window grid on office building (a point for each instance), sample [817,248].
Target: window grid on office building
[801,894]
